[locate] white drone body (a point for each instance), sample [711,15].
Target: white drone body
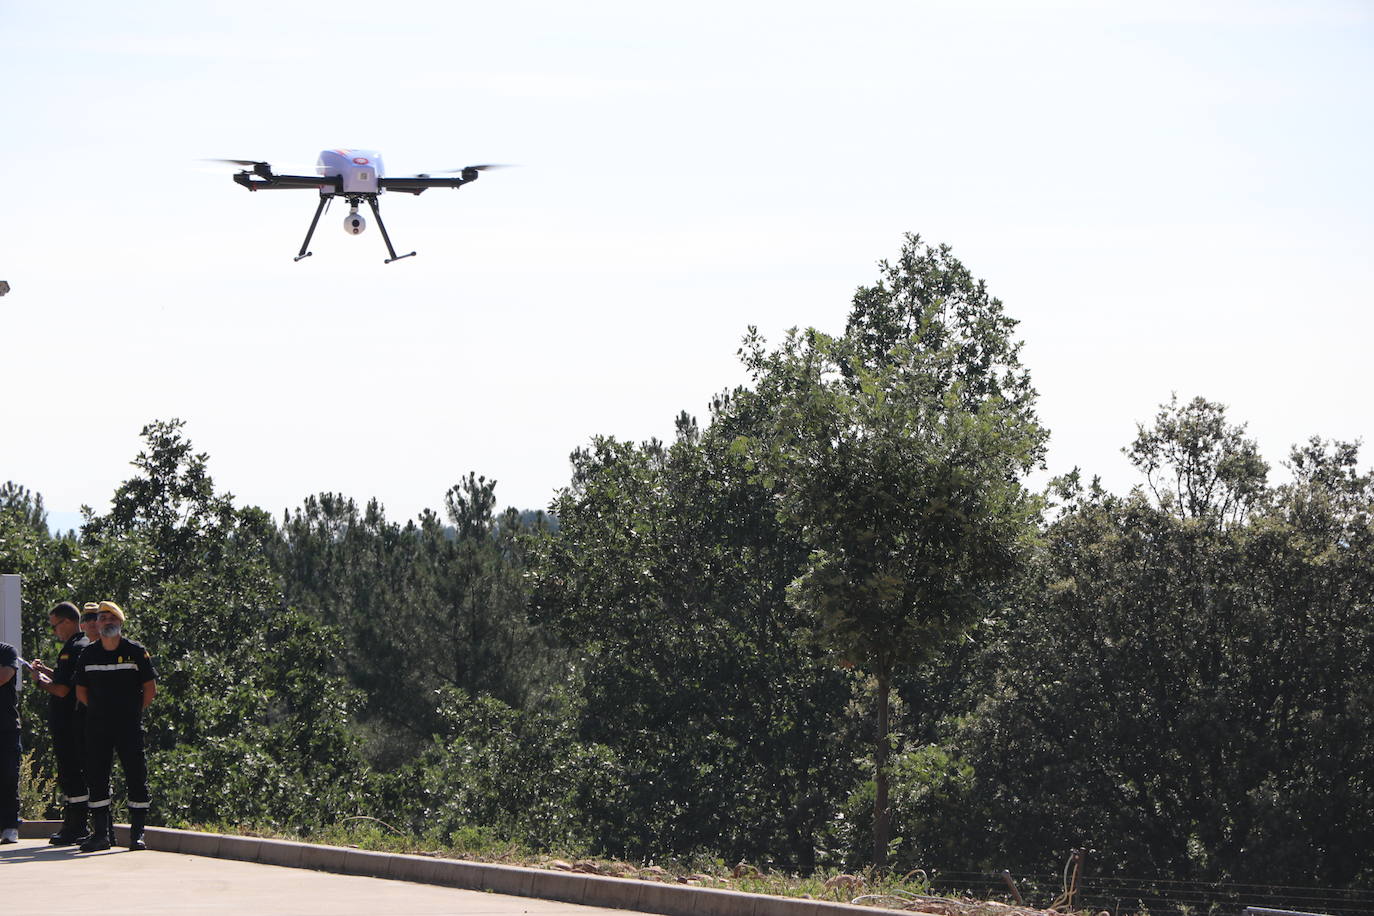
[356,175]
[360,169]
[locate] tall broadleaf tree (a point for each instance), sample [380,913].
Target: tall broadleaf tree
[898,450]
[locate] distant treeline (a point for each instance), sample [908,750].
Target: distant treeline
[828,616]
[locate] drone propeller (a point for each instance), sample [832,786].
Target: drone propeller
[251,165]
[478,168]
[246,163]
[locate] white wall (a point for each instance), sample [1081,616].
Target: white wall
[10,630]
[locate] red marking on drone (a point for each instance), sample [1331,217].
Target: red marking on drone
[359,160]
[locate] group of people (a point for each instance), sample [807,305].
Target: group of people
[97,692]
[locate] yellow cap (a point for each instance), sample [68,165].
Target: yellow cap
[90,607]
[111,607]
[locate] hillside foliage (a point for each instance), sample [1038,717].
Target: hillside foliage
[825,626]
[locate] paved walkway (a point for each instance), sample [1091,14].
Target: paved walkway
[36,877]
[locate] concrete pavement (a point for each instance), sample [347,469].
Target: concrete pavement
[190,871]
[36,877]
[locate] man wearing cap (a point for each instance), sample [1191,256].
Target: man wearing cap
[66,720]
[10,750]
[90,628]
[115,681]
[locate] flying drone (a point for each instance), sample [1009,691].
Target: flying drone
[356,175]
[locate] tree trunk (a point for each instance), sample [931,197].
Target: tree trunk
[881,824]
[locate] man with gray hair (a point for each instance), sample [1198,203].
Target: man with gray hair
[115,681]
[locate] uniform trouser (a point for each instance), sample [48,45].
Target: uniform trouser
[10,752]
[68,746]
[103,741]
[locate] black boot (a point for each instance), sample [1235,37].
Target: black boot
[73,826]
[137,818]
[100,830]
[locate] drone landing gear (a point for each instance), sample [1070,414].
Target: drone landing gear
[324,201]
[372,202]
[376,212]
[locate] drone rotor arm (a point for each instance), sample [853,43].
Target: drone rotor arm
[256,181]
[420,183]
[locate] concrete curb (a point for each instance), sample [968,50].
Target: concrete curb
[568,887]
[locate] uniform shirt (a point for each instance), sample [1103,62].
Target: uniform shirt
[9,692]
[60,709]
[114,680]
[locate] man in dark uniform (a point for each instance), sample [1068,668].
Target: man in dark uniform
[66,720]
[10,750]
[116,681]
[90,628]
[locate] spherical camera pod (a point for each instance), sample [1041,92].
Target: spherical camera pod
[354,224]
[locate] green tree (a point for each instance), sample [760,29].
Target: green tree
[28,550]
[667,579]
[898,451]
[1308,813]
[500,773]
[249,723]
[420,606]
[1196,464]
[45,565]
[1185,682]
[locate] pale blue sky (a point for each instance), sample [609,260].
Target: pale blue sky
[1169,196]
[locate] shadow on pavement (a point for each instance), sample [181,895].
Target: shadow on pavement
[33,851]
